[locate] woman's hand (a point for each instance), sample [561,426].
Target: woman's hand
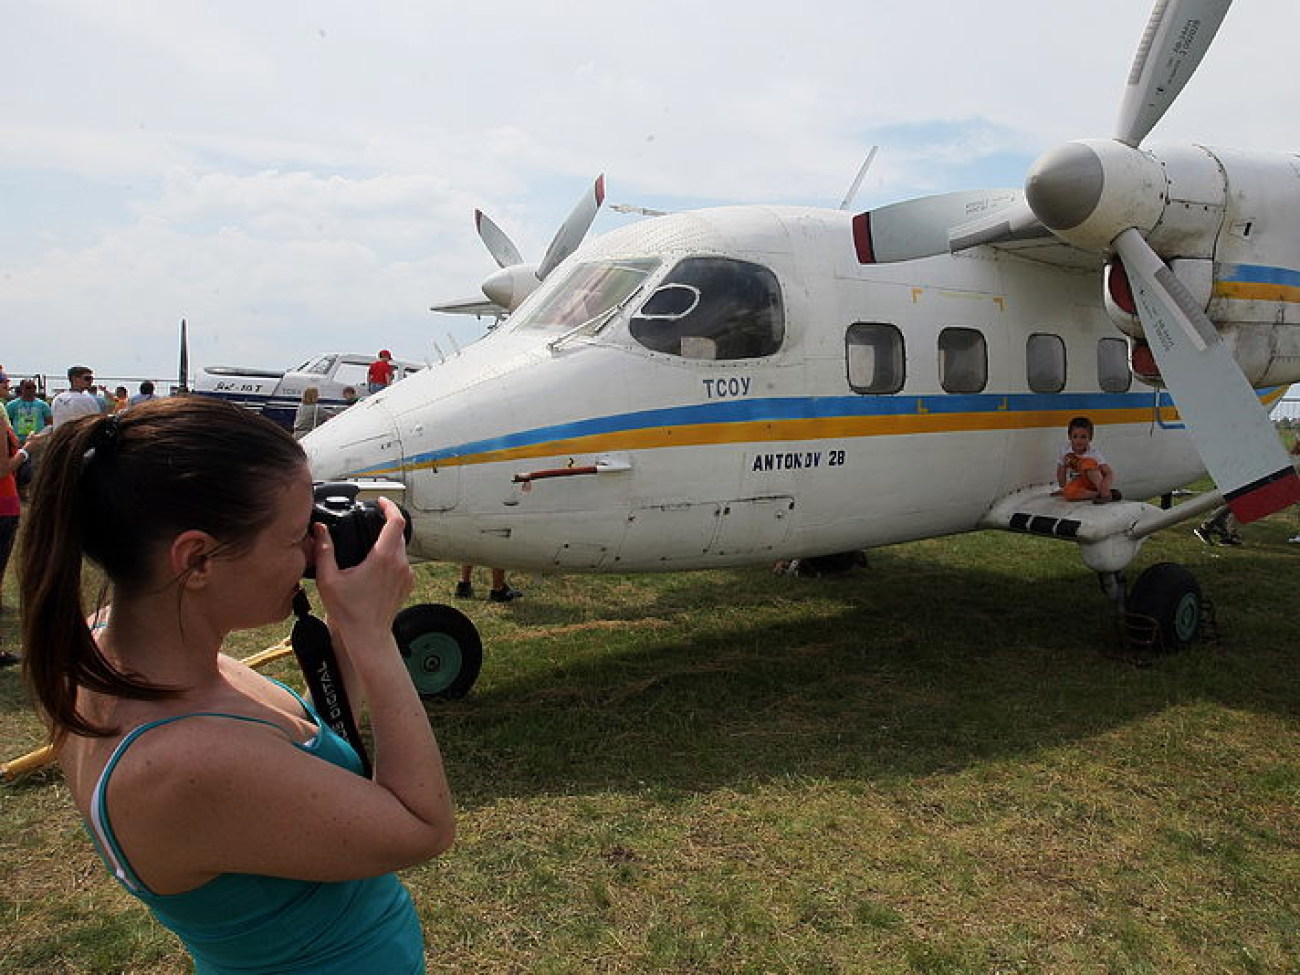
[366,597]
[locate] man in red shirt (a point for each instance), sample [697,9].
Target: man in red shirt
[381,371]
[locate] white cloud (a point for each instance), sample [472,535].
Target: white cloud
[299,176]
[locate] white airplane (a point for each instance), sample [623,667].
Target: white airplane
[742,384]
[276,395]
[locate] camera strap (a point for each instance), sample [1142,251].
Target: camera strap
[315,652]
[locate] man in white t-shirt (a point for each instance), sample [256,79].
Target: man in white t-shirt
[79,399]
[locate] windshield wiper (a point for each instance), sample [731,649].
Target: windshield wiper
[597,322]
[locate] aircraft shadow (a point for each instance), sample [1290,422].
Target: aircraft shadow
[899,669]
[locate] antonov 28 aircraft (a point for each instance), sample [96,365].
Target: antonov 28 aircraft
[742,384]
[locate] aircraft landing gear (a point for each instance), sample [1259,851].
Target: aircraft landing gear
[442,650]
[1165,611]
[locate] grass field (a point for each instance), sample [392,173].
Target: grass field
[927,765]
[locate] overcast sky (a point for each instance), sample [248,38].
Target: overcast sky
[297,177]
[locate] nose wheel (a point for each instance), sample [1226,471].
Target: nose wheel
[442,650]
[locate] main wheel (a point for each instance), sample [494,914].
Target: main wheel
[1169,594]
[442,650]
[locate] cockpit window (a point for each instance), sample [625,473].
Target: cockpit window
[319,366]
[713,308]
[589,291]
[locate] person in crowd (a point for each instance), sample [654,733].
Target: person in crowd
[1295,459]
[1082,472]
[10,509]
[78,399]
[120,401]
[381,371]
[501,591]
[309,414]
[215,795]
[349,399]
[28,413]
[1221,527]
[145,395]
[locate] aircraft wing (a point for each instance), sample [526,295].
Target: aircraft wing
[1036,512]
[1108,535]
[470,306]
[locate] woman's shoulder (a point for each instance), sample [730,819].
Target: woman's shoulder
[243,711]
[191,759]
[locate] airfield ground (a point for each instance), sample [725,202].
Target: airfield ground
[926,765]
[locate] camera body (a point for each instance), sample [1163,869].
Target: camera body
[354,525]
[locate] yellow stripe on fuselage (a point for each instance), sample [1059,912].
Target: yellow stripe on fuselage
[820,428]
[1257,291]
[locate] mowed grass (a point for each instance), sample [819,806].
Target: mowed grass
[927,765]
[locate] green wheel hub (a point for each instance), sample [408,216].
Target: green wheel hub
[434,663]
[1187,617]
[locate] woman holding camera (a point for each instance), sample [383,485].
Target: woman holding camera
[215,795]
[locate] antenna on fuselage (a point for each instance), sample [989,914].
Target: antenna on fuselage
[857,180]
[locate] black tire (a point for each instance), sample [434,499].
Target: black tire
[442,650]
[834,564]
[1169,594]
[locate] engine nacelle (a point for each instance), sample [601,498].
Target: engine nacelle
[1230,232]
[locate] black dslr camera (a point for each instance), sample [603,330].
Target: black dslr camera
[354,525]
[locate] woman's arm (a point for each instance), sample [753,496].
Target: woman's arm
[361,603]
[15,461]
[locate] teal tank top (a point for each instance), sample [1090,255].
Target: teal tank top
[245,923]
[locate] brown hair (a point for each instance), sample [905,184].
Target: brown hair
[114,488]
[1079,423]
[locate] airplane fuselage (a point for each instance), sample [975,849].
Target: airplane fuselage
[743,388]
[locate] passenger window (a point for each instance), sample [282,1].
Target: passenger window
[1045,363]
[713,308]
[874,352]
[963,360]
[1113,375]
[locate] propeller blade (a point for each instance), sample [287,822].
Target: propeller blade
[1177,37]
[501,247]
[1015,222]
[574,228]
[1229,427]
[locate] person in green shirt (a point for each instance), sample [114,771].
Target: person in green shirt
[28,413]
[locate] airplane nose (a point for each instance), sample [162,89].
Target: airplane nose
[361,441]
